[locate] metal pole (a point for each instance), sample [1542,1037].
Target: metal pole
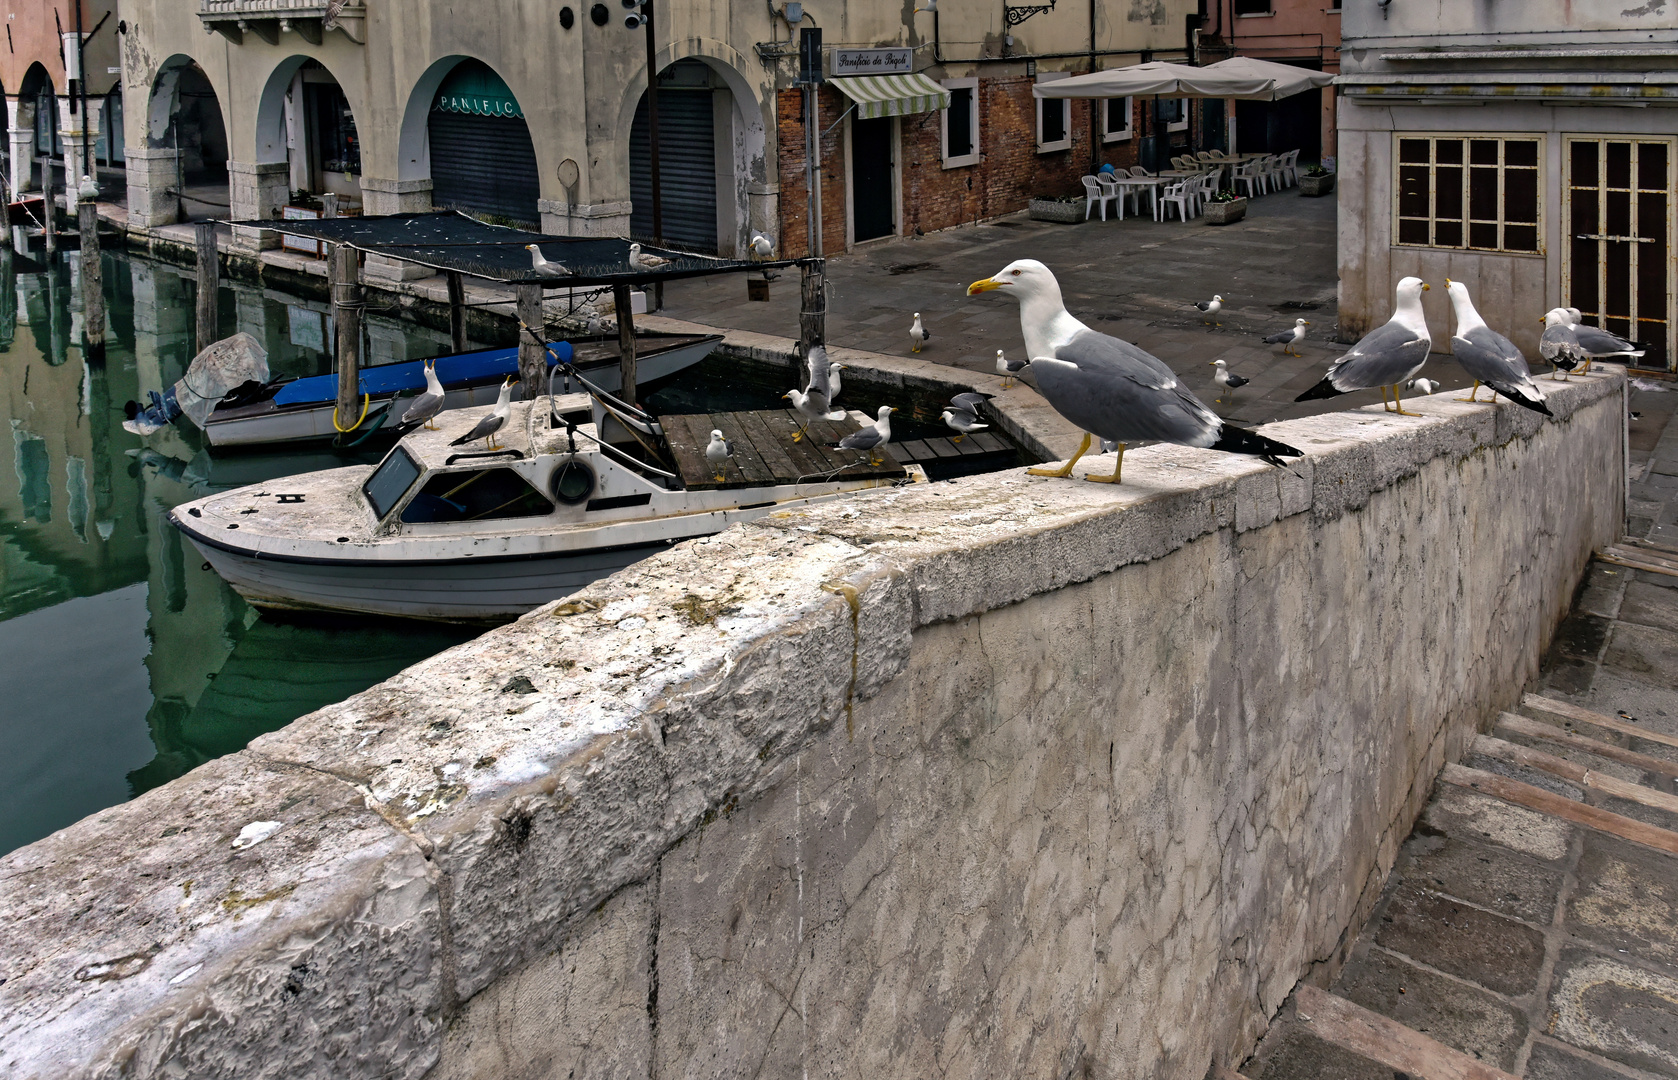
[209,285]
[346,314]
[652,145]
[812,171]
[626,340]
[93,279]
[533,353]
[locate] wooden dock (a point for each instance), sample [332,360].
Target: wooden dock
[978,444]
[764,453]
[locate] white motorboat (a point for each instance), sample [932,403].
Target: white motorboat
[471,534]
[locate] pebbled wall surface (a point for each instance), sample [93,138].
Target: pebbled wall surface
[1000,777]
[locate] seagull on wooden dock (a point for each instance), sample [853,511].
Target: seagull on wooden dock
[1290,338]
[1598,343]
[486,428]
[638,261]
[871,437]
[1110,388]
[1559,344]
[834,383]
[1422,386]
[962,416]
[1387,356]
[918,335]
[1227,379]
[1489,357]
[1210,308]
[429,403]
[812,406]
[544,266]
[717,452]
[1009,369]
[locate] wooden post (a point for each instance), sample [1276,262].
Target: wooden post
[457,311]
[49,207]
[209,285]
[93,280]
[533,354]
[345,271]
[812,316]
[621,303]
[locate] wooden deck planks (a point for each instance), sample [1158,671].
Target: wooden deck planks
[1336,1020]
[764,453]
[755,469]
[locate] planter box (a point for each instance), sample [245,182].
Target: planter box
[1067,213]
[1315,186]
[1225,213]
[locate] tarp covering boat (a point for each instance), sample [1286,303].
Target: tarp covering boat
[219,369]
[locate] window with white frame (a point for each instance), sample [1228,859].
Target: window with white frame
[1115,119]
[1468,191]
[1054,117]
[1172,114]
[961,123]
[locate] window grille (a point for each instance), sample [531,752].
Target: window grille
[1473,192]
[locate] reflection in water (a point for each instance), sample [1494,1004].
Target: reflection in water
[128,663]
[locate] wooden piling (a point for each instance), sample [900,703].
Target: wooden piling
[812,314]
[622,303]
[93,280]
[345,276]
[533,353]
[457,311]
[209,285]
[49,206]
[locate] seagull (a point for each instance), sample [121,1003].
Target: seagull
[871,437]
[812,406]
[963,415]
[718,451]
[918,335]
[486,428]
[1211,307]
[1388,355]
[1288,339]
[818,373]
[1422,386]
[543,266]
[428,404]
[1009,369]
[761,246]
[1599,344]
[833,381]
[1559,344]
[638,261]
[1228,379]
[1110,388]
[1490,357]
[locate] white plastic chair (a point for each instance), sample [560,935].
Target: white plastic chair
[1273,172]
[1290,167]
[1093,194]
[1251,176]
[1137,170]
[1204,157]
[1110,190]
[1174,195]
[1218,155]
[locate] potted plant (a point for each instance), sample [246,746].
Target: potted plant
[1225,207]
[1066,209]
[1316,181]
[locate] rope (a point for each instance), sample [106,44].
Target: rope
[365,400]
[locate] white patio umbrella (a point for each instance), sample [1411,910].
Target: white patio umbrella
[1286,80]
[1158,79]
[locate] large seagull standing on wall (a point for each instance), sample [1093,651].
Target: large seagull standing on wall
[1108,387]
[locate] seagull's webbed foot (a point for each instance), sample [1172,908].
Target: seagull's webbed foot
[1473,395]
[1118,467]
[1064,470]
[958,438]
[1384,406]
[1587,370]
[719,478]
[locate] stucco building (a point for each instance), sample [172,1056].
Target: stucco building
[43,116]
[1525,149]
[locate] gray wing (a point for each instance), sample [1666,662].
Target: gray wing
[423,407]
[1559,342]
[866,439]
[1120,393]
[968,402]
[1389,354]
[1203,305]
[1016,366]
[483,429]
[1490,357]
[1600,342]
[816,370]
[1091,346]
[1277,339]
[1236,381]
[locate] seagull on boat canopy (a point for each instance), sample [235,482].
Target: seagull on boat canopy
[1598,343]
[962,416]
[543,266]
[1559,344]
[918,336]
[429,403]
[1210,308]
[1489,357]
[1009,369]
[1290,338]
[761,246]
[1227,378]
[638,261]
[717,452]
[1387,356]
[1422,386]
[871,437]
[486,428]
[1110,388]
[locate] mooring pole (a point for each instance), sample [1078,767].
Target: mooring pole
[457,311]
[812,314]
[652,145]
[93,276]
[209,285]
[533,353]
[49,205]
[345,271]
[621,302]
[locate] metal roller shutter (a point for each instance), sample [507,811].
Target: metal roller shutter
[687,170]
[485,164]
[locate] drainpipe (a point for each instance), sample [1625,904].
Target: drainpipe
[1095,103]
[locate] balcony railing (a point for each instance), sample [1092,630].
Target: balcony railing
[270,19]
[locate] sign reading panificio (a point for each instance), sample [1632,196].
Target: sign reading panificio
[872,61]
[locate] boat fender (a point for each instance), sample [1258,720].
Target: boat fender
[573,482]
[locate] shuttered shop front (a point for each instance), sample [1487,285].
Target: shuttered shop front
[482,159]
[687,169]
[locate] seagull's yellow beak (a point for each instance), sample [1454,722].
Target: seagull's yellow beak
[1307,322]
[786,397]
[1447,283]
[1425,286]
[984,286]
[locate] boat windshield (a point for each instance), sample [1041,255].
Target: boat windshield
[394,476]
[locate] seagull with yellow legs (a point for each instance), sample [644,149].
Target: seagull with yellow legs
[1388,356]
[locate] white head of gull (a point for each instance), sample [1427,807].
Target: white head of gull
[718,451]
[428,404]
[486,428]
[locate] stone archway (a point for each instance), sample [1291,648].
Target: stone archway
[23,115]
[306,137]
[180,174]
[465,144]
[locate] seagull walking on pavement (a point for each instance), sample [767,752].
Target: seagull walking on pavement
[717,452]
[543,266]
[962,416]
[1489,357]
[638,261]
[1290,338]
[428,404]
[1210,308]
[486,428]
[871,437]
[1227,379]
[1009,369]
[1387,356]
[918,336]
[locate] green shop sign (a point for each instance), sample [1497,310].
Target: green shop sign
[473,88]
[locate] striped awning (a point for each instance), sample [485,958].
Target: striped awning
[893,95]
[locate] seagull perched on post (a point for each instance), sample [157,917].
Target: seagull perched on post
[486,428]
[1009,369]
[1559,344]
[638,261]
[918,335]
[1490,357]
[1110,388]
[761,246]
[1211,308]
[1389,355]
[871,437]
[717,452]
[428,404]
[1228,379]
[1598,343]
[543,266]
[962,416]
[1290,337]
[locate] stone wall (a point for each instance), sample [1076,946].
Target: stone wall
[999,777]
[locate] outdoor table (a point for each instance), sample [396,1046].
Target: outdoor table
[1150,184]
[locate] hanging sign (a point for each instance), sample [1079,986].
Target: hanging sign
[474,89]
[872,61]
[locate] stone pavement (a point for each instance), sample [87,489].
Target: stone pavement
[1530,926]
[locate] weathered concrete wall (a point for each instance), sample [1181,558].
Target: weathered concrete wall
[1004,777]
